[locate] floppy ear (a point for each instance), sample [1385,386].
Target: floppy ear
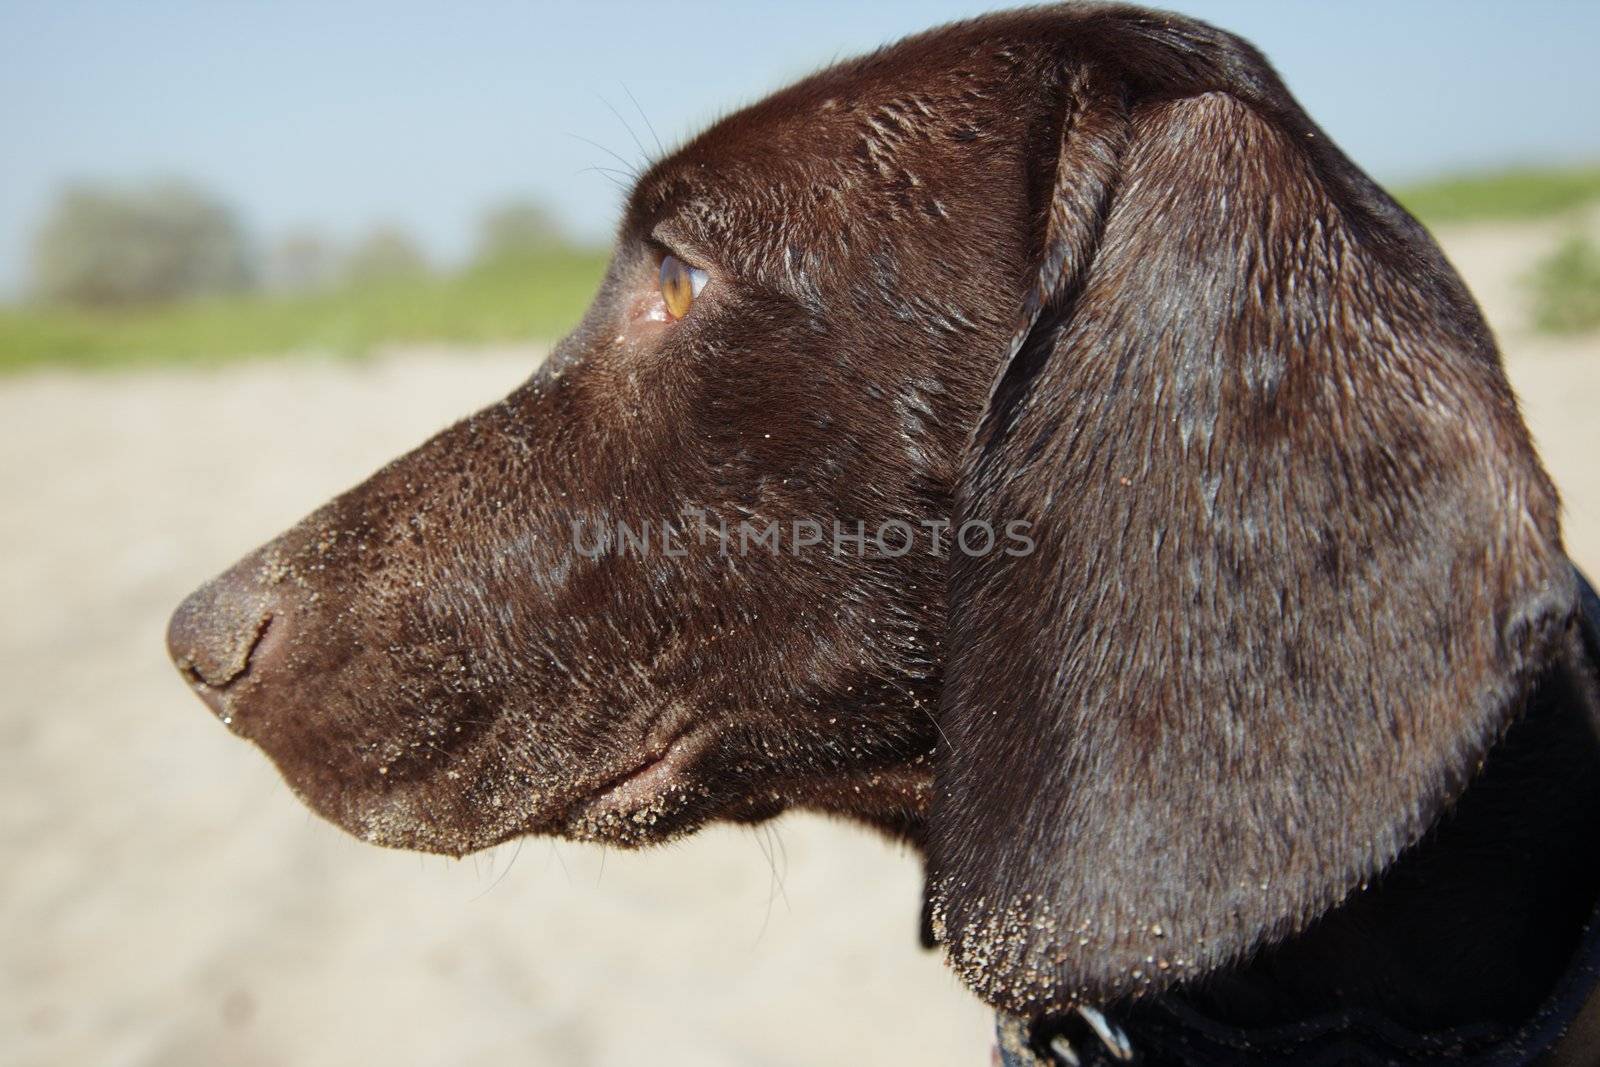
[1295,560]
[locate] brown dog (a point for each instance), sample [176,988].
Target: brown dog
[1266,710]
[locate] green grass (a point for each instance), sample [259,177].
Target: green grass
[1565,288]
[541,298]
[531,299]
[1510,195]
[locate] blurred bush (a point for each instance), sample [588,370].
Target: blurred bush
[109,246]
[518,229]
[301,261]
[387,254]
[533,299]
[1565,288]
[525,282]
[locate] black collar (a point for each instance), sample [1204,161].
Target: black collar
[1563,1032]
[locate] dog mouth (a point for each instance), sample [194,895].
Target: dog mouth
[647,802]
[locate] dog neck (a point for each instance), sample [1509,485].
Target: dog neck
[893,800]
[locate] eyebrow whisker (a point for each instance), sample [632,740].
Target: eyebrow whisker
[661,149]
[631,169]
[643,153]
[610,175]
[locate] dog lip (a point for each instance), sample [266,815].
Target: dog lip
[649,777]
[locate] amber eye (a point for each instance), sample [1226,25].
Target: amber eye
[680,284]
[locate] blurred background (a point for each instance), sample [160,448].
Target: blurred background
[249,251]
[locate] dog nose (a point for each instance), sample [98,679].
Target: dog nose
[225,630]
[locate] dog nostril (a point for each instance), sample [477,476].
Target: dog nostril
[224,630]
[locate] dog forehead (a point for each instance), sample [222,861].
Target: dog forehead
[864,144]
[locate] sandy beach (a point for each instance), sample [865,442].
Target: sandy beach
[165,900]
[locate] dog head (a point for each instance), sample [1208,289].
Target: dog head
[1286,556]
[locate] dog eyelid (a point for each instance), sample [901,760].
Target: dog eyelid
[671,238]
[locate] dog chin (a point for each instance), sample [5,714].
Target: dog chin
[676,810]
[404,821]
[659,800]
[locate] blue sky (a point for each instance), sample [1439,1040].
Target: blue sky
[344,115]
